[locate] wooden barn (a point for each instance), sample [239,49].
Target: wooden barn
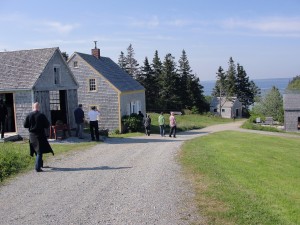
[102,83]
[38,75]
[291,106]
[230,107]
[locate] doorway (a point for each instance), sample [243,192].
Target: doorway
[10,123]
[58,107]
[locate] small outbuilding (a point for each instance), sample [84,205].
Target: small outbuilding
[291,106]
[102,83]
[37,75]
[226,107]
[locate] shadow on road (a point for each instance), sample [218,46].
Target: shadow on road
[53,169]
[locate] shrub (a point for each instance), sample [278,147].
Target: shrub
[131,123]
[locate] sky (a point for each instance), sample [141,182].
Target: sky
[263,36]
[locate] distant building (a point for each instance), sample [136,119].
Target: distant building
[230,107]
[38,75]
[102,83]
[291,106]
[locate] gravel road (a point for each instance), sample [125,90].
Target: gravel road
[122,181]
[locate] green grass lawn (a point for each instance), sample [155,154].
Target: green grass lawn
[244,178]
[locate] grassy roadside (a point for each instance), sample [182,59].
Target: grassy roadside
[244,178]
[15,158]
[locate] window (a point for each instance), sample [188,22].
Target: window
[54,100]
[56,71]
[92,85]
[134,107]
[223,110]
[75,64]
[215,110]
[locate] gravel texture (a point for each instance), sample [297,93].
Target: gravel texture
[121,181]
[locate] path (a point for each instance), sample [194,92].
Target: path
[122,181]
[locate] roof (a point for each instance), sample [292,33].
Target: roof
[228,104]
[291,101]
[21,69]
[112,72]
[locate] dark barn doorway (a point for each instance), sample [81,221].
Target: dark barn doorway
[10,124]
[58,107]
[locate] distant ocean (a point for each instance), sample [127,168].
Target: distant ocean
[264,84]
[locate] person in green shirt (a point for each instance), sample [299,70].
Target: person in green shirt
[161,123]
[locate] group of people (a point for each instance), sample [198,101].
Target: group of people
[161,123]
[37,122]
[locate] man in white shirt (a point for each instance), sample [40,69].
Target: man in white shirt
[94,128]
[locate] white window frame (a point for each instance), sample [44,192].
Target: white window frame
[89,85]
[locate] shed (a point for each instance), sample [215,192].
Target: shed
[226,107]
[37,75]
[291,106]
[102,83]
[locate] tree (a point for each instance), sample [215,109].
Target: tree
[65,55]
[147,79]
[131,63]
[231,78]
[294,84]
[185,73]
[169,83]
[157,71]
[220,86]
[271,105]
[122,61]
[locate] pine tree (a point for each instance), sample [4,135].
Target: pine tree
[157,71]
[131,63]
[146,78]
[169,83]
[184,73]
[220,86]
[122,61]
[231,78]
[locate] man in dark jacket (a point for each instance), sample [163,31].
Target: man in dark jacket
[79,119]
[37,122]
[3,116]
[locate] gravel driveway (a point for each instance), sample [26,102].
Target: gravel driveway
[122,181]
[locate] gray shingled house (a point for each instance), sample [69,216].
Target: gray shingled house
[230,107]
[40,75]
[102,83]
[291,106]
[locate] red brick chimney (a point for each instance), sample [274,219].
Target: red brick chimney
[96,51]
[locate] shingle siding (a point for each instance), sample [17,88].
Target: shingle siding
[291,105]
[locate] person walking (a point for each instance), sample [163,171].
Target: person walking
[3,117]
[161,123]
[147,125]
[172,125]
[37,122]
[94,127]
[79,119]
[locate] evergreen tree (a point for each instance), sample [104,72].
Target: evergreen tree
[65,55]
[131,63]
[147,79]
[231,78]
[185,73]
[168,84]
[294,84]
[122,61]
[221,85]
[157,70]
[243,91]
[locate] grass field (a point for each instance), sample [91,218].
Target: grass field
[244,178]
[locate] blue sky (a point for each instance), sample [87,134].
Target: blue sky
[263,36]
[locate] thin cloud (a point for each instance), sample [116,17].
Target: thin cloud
[151,23]
[266,25]
[55,26]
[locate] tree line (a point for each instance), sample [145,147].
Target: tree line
[168,85]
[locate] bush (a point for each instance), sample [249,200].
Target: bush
[132,123]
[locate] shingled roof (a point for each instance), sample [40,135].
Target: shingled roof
[21,69]
[112,72]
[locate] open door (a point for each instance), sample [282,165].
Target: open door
[10,124]
[58,107]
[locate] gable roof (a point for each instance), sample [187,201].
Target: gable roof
[226,103]
[21,69]
[112,72]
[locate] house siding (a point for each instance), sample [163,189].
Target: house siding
[105,97]
[291,105]
[23,106]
